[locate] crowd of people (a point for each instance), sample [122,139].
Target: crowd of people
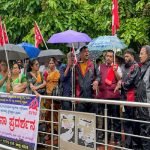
[111,80]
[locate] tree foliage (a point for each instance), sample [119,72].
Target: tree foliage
[90,16]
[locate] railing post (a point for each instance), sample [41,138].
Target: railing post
[105,122]
[73,87]
[52,120]
[73,106]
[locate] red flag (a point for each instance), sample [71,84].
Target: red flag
[115,17]
[6,40]
[38,36]
[75,59]
[1,33]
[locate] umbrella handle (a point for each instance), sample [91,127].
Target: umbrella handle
[114,56]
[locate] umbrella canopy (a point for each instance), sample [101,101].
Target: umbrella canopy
[30,49]
[69,36]
[106,43]
[14,52]
[45,54]
[77,45]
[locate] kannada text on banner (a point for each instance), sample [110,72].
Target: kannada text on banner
[19,117]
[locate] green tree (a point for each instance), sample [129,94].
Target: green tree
[92,17]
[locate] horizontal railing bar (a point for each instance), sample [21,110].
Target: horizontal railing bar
[124,119]
[113,146]
[124,148]
[101,101]
[45,121]
[48,121]
[117,118]
[48,145]
[48,133]
[48,109]
[122,133]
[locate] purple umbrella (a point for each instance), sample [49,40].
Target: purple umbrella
[69,36]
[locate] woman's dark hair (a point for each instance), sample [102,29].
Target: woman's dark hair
[15,63]
[30,65]
[4,61]
[53,59]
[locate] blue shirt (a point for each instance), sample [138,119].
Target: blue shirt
[66,81]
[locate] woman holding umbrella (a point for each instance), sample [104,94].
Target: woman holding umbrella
[3,76]
[16,81]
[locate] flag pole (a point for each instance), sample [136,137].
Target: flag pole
[73,75]
[41,35]
[6,32]
[73,81]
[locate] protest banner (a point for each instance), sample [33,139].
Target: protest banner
[19,118]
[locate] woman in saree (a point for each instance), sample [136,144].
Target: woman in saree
[16,81]
[3,76]
[52,80]
[36,82]
[36,85]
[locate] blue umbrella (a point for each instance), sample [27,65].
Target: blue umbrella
[30,49]
[106,43]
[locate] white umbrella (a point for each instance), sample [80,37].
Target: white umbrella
[14,52]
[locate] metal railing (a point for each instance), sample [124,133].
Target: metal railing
[51,136]
[52,145]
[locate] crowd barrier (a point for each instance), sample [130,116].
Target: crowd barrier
[49,128]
